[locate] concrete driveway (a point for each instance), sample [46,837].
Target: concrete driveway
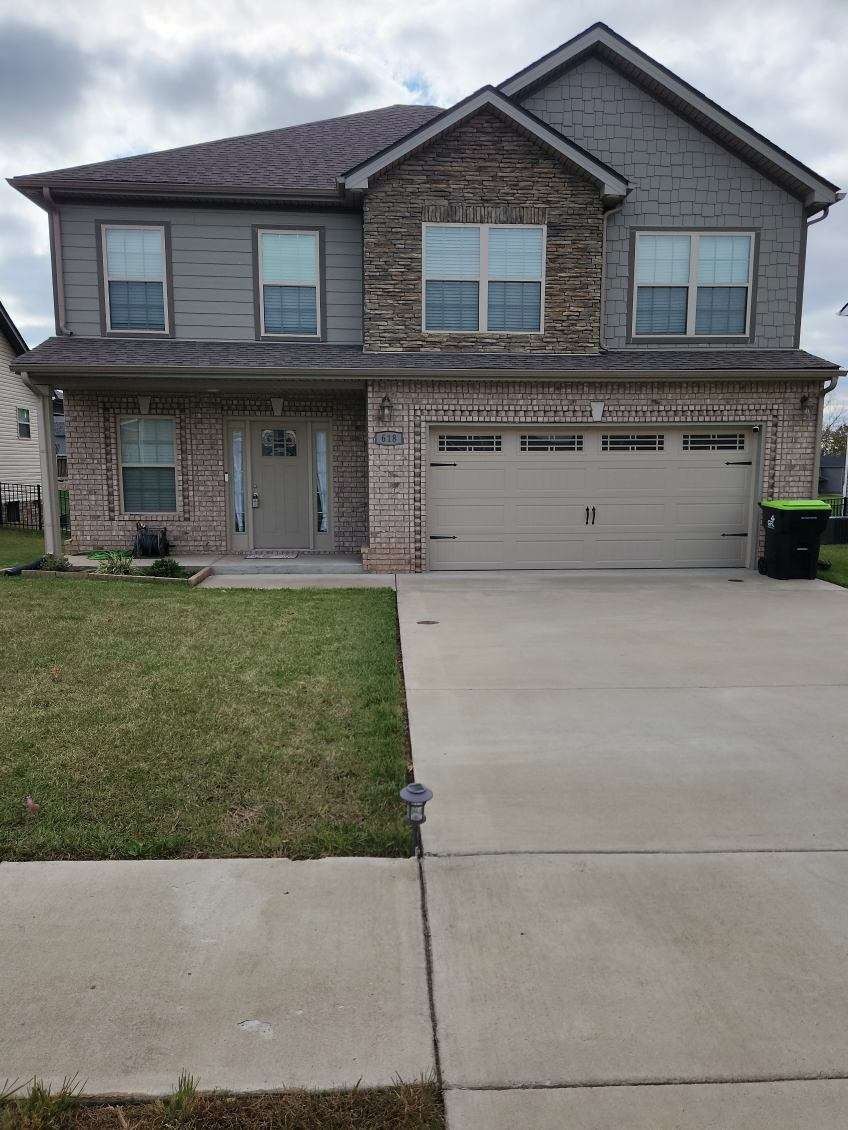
[637,875]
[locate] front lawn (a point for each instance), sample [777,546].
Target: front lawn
[20,547]
[153,722]
[837,555]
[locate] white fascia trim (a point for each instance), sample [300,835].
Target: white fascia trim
[611,185]
[819,192]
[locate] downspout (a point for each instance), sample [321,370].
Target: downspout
[609,212]
[50,519]
[58,259]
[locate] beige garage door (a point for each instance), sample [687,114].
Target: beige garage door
[589,497]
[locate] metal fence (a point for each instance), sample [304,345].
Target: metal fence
[21,507]
[838,505]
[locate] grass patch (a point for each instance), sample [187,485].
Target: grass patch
[160,722]
[20,547]
[406,1106]
[837,555]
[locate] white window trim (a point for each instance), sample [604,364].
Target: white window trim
[19,421]
[104,228]
[484,279]
[262,284]
[122,464]
[692,285]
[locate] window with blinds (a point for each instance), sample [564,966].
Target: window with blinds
[692,285]
[134,273]
[483,277]
[148,470]
[289,283]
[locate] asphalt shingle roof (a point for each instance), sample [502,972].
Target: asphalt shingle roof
[98,355]
[294,158]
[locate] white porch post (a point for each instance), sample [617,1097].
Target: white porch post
[49,478]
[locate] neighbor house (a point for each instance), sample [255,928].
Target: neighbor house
[19,424]
[555,325]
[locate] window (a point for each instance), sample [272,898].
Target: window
[470,443]
[483,277]
[694,285]
[134,272]
[322,483]
[288,280]
[279,441]
[24,425]
[551,442]
[148,473]
[714,441]
[239,519]
[633,442]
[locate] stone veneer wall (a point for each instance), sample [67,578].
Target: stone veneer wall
[397,476]
[200,523]
[483,171]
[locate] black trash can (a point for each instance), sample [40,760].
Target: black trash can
[793,527]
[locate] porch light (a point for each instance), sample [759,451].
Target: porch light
[385,410]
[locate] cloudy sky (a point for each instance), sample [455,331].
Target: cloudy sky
[84,81]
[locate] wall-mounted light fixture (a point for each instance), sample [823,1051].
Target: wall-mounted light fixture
[385,410]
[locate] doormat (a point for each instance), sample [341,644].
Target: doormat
[271,555]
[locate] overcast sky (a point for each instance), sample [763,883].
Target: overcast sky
[85,81]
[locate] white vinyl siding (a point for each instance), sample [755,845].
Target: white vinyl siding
[692,285]
[148,464]
[19,459]
[135,279]
[288,274]
[483,278]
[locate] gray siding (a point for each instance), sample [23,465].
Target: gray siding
[682,179]
[19,460]
[212,267]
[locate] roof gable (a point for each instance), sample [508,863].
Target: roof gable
[11,333]
[663,84]
[612,184]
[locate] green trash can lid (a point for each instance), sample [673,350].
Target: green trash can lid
[795,504]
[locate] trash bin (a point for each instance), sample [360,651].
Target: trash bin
[793,527]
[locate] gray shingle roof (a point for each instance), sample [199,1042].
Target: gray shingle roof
[137,355]
[303,157]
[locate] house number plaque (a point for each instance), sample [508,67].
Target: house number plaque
[388,439]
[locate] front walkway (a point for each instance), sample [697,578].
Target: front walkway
[638,849]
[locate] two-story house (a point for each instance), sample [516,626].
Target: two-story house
[555,325]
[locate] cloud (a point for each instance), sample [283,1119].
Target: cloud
[42,80]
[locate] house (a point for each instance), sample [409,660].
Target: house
[19,459]
[554,325]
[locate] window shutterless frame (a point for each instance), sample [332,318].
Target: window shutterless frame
[258,285]
[483,279]
[692,285]
[119,421]
[23,423]
[106,328]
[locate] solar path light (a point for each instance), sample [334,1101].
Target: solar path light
[415,797]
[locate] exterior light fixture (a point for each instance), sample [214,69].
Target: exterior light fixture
[385,410]
[415,797]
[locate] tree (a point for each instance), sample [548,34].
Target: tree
[835,433]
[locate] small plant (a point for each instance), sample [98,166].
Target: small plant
[39,1108]
[118,562]
[165,567]
[52,562]
[180,1108]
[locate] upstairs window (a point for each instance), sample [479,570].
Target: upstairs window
[483,278]
[148,471]
[24,425]
[288,279]
[693,285]
[134,271]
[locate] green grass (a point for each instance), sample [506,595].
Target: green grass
[159,722]
[406,1106]
[837,555]
[20,547]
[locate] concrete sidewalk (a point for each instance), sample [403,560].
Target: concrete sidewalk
[634,925]
[251,974]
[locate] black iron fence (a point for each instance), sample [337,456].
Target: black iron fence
[21,507]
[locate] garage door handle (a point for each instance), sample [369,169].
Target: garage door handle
[738,463]
[734,535]
[587,515]
[443,537]
[593,515]
[443,464]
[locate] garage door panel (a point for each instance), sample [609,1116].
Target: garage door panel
[630,478]
[548,515]
[471,515]
[618,513]
[629,550]
[706,479]
[471,552]
[467,479]
[709,551]
[722,514]
[551,553]
[545,479]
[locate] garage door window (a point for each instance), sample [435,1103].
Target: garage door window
[714,441]
[538,442]
[470,443]
[634,441]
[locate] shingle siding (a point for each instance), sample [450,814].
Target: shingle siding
[212,267]
[682,178]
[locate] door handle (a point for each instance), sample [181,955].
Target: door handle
[587,515]
[254,500]
[593,515]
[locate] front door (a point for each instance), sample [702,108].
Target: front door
[280,485]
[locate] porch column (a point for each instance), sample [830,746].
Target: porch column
[49,479]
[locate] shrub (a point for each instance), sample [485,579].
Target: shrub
[165,567]
[116,561]
[51,561]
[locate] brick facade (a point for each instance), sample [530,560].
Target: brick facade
[483,171]
[200,524]
[397,476]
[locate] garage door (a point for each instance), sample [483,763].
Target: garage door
[584,497]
